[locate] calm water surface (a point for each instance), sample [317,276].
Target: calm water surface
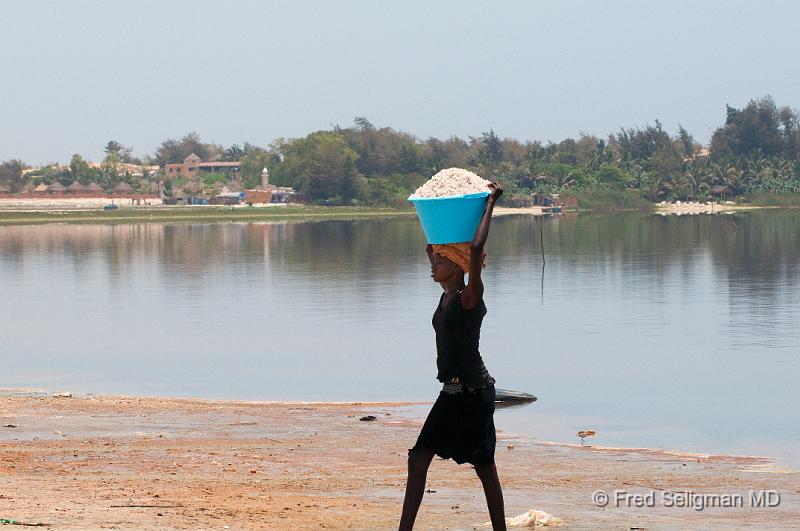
[655,331]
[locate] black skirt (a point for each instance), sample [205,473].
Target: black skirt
[461,427]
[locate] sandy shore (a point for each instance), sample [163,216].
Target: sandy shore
[689,208]
[508,211]
[97,462]
[69,203]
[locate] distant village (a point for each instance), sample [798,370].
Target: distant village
[230,193]
[194,189]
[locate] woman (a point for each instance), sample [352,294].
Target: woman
[460,425]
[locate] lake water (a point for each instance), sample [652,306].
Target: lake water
[675,332]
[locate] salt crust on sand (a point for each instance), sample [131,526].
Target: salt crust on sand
[452,181]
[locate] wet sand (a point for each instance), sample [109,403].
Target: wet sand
[121,462]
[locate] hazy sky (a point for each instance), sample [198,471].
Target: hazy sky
[76,74]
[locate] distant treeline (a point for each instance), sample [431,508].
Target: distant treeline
[755,151]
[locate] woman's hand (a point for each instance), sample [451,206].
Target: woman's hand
[497,191]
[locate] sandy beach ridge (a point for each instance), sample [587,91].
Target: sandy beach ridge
[87,462]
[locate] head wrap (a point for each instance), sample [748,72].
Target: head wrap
[458,253]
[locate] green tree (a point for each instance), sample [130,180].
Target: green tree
[613,175]
[437,155]
[746,131]
[119,153]
[362,124]
[442,154]
[173,151]
[252,164]
[354,185]
[666,161]
[80,170]
[233,154]
[321,165]
[409,158]
[490,150]
[791,132]
[11,174]
[686,141]
[600,155]
[381,151]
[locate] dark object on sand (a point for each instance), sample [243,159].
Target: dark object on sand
[11,521]
[368,418]
[513,397]
[9,425]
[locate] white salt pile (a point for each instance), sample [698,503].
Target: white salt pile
[452,181]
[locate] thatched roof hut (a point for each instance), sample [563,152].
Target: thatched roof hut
[123,188]
[56,186]
[94,188]
[4,189]
[76,188]
[40,189]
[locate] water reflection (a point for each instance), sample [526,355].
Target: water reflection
[663,331]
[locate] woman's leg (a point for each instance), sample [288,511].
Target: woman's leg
[494,495]
[418,463]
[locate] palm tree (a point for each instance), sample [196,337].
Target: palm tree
[567,181]
[760,170]
[733,178]
[703,190]
[785,172]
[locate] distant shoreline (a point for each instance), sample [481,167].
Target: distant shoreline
[44,211]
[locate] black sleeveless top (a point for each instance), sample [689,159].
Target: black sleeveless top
[458,333]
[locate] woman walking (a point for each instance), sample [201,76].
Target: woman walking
[460,425]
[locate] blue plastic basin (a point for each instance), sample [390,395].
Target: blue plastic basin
[450,219]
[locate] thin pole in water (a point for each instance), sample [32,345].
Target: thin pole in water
[541,240]
[541,243]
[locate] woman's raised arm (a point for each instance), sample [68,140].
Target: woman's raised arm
[473,293]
